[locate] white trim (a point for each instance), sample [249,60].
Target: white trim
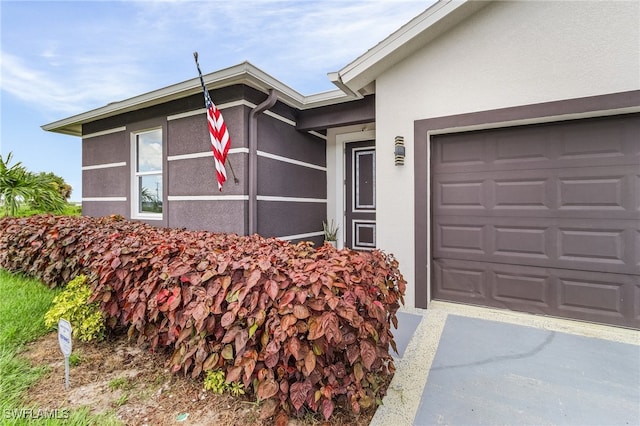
[135,194]
[104,166]
[103,199]
[207,197]
[199,111]
[105,132]
[281,118]
[317,135]
[241,102]
[367,223]
[291,161]
[355,180]
[299,236]
[204,154]
[291,199]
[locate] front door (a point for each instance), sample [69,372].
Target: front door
[360,194]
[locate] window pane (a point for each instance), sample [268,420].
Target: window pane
[149,150]
[150,195]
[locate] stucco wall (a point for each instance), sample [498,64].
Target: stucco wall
[507,54]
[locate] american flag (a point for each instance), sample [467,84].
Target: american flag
[220,140]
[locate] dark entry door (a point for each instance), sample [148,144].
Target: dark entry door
[360,203]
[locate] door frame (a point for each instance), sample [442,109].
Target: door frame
[351,208]
[340,170]
[424,129]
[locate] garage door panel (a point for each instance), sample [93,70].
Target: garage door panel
[595,192]
[583,244]
[602,297]
[609,141]
[460,281]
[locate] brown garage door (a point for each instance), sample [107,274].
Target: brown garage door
[541,218]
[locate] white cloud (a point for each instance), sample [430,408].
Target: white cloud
[79,84]
[128,48]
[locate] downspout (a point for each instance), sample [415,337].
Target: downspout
[253,158]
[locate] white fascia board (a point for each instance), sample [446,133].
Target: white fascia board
[244,73]
[434,21]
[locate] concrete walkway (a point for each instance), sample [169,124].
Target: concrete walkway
[463,365]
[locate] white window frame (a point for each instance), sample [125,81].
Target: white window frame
[135,175]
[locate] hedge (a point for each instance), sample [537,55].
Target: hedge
[301,326]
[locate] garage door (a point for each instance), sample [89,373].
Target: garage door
[541,218]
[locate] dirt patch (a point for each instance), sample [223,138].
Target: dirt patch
[115,375]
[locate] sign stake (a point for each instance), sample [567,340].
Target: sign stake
[64,339]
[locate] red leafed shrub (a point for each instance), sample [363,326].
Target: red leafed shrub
[302,327]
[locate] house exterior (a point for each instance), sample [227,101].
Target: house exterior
[520,187]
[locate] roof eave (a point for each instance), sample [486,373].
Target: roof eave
[244,73]
[425,27]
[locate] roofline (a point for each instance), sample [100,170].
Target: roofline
[243,73]
[435,20]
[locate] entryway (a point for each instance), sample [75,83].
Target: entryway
[360,195]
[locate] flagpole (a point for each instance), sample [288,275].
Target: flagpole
[195,57]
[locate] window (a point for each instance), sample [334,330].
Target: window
[147,174]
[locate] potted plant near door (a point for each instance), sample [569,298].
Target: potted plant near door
[330,233]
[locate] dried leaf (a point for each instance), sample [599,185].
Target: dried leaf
[298,394]
[368,353]
[301,312]
[267,389]
[227,352]
[327,408]
[233,374]
[309,362]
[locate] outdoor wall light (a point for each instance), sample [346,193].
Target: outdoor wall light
[399,151]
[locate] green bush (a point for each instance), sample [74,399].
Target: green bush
[72,304]
[216,382]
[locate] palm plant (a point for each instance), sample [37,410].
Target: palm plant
[18,185]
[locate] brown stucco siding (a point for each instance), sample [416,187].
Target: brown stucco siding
[217,216]
[282,218]
[105,208]
[197,176]
[279,138]
[109,182]
[278,178]
[105,149]
[190,135]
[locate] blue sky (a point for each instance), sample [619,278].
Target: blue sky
[61,58]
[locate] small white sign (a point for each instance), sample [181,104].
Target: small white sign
[64,337]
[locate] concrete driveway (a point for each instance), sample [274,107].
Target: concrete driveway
[463,365]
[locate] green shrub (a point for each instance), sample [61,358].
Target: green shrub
[72,304]
[215,381]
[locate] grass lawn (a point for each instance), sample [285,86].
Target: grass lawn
[22,307]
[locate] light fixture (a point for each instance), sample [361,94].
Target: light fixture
[399,151]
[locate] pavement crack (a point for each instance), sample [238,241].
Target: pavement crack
[527,354]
